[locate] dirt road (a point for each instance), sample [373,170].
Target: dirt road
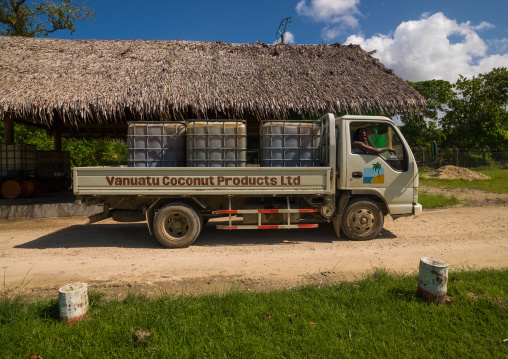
[37,256]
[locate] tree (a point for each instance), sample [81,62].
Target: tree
[420,129]
[99,152]
[41,17]
[377,167]
[477,116]
[29,135]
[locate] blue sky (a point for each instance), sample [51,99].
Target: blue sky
[419,40]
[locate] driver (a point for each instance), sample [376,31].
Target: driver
[360,144]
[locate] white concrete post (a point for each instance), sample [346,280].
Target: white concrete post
[73,300]
[432,279]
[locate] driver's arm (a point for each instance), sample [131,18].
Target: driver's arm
[373,150]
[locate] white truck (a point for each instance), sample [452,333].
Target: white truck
[351,190]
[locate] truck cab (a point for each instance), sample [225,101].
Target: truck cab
[383,183]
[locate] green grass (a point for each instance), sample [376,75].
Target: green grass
[376,317]
[434,201]
[498,182]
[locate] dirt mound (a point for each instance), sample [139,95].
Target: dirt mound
[453,172]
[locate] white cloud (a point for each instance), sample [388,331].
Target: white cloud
[326,10]
[289,38]
[339,15]
[499,45]
[482,25]
[488,63]
[433,47]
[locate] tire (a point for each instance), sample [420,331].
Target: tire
[177,225]
[362,219]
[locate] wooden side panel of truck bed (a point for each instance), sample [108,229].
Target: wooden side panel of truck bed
[178,181]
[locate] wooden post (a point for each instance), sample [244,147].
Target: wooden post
[73,299]
[389,143]
[423,157]
[457,150]
[389,135]
[57,131]
[9,128]
[432,280]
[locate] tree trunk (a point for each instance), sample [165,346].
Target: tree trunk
[9,129]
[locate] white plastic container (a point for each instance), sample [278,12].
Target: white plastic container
[216,144]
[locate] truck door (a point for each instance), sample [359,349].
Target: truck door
[390,175]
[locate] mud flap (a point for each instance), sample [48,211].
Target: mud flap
[336,224]
[150,215]
[106,213]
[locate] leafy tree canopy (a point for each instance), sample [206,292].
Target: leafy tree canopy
[41,17]
[477,116]
[98,152]
[420,129]
[471,113]
[437,94]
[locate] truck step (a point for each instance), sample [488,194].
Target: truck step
[246,211]
[269,226]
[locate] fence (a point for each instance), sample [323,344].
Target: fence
[460,157]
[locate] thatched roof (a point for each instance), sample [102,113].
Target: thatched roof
[97,81]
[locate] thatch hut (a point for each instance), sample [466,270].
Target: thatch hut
[96,86]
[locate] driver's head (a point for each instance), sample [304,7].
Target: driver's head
[360,135]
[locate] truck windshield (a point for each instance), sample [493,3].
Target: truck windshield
[378,139]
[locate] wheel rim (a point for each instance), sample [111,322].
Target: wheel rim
[362,221]
[176,225]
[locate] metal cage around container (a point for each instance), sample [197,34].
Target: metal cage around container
[53,164]
[217,143]
[290,143]
[18,161]
[156,144]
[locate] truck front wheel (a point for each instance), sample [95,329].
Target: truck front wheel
[362,219]
[177,225]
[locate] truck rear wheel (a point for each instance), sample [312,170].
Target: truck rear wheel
[362,219]
[177,225]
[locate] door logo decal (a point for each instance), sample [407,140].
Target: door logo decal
[374,174]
